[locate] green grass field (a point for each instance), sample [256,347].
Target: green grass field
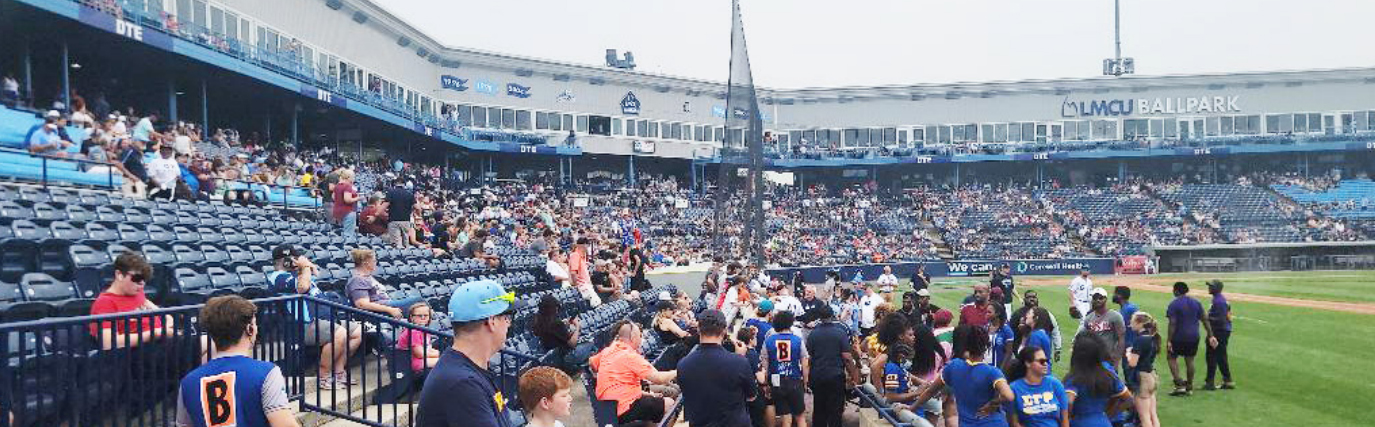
[1340,286]
[1292,366]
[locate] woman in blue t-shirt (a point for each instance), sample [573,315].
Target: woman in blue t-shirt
[1039,400]
[1094,391]
[1036,328]
[1141,360]
[979,388]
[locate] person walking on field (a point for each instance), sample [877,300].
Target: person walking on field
[1220,317]
[1079,298]
[1185,315]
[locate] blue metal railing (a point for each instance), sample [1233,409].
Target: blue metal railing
[59,371]
[44,176]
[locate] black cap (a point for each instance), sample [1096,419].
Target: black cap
[286,251]
[824,311]
[711,322]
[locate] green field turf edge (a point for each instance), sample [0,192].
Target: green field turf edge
[1337,285]
[1293,366]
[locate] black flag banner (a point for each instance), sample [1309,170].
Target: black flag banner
[744,138]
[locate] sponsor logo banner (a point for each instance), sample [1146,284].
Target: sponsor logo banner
[517,91]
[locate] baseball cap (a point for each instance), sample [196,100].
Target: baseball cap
[765,306]
[53,114]
[665,296]
[1099,292]
[481,299]
[286,251]
[923,293]
[1215,284]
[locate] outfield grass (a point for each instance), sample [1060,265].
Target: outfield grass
[1293,366]
[1340,286]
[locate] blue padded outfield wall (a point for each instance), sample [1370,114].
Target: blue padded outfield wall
[904,270]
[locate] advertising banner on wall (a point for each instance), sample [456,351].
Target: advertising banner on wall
[453,83]
[962,268]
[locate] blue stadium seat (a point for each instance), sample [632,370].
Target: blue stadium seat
[78,213]
[214,255]
[17,258]
[9,209]
[191,286]
[105,213]
[165,218]
[98,233]
[184,234]
[130,233]
[28,230]
[238,254]
[231,235]
[34,195]
[136,215]
[223,281]
[187,255]
[54,260]
[66,231]
[158,233]
[95,199]
[157,254]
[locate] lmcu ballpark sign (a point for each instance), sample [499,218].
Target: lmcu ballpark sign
[1144,106]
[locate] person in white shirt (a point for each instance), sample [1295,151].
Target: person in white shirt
[556,268]
[1079,289]
[164,172]
[887,282]
[868,301]
[785,301]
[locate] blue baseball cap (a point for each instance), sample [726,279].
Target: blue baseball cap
[765,306]
[480,300]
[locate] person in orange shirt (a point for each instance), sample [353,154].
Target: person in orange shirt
[581,270]
[620,368]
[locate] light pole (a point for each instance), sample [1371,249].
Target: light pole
[1117,65]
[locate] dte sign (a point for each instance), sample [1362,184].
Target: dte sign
[128,29]
[324,96]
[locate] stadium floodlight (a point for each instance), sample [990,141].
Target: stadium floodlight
[1117,65]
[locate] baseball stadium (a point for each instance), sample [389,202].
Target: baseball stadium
[313,213]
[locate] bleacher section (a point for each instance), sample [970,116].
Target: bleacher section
[1349,199]
[1240,213]
[1116,223]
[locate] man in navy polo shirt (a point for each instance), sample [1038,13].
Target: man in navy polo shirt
[460,392]
[716,383]
[832,351]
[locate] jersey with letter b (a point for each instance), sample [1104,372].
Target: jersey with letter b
[786,352]
[226,392]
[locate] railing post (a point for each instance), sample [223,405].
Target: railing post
[45,171]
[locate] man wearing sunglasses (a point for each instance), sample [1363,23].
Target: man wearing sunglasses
[460,391]
[125,294]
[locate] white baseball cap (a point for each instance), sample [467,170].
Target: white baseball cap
[1099,291]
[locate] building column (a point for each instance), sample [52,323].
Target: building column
[28,70]
[957,174]
[1121,171]
[205,111]
[631,175]
[66,78]
[295,125]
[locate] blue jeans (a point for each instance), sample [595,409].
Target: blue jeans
[403,303]
[350,224]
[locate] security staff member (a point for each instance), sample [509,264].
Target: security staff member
[833,356]
[716,383]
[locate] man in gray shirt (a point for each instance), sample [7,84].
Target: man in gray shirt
[1107,324]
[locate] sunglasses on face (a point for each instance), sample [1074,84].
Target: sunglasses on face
[136,277]
[1042,361]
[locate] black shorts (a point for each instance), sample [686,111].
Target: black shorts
[1186,348]
[788,398]
[646,408]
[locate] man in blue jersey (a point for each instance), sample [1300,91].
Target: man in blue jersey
[787,364]
[233,389]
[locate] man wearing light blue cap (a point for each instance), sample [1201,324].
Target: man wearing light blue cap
[460,391]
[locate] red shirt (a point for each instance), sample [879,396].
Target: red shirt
[342,209]
[378,226]
[974,315]
[108,303]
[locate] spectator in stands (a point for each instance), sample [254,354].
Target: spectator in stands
[417,342]
[9,91]
[717,384]
[1030,301]
[762,322]
[666,323]
[895,382]
[374,219]
[163,174]
[125,294]
[1093,389]
[605,280]
[131,165]
[400,205]
[476,248]
[834,357]
[928,359]
[190,187]
[345,210]
[892,330]
[1185,315]
[620,369]
[144,132]
[233,387]
[1039,400]
[976,310]
[367,293]
[1220,320]
[1141,377]
[46,140]
[975,385]
[294,274]
[788,366]
[557,267]
[460,391]
[1107,324]
[560,336]
[581,269]
[547,395]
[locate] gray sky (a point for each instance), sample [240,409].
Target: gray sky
[810,43]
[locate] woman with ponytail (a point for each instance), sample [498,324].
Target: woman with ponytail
[1140,361]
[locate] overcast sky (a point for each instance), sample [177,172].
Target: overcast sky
[824,43]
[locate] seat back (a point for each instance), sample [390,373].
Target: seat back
[43,287]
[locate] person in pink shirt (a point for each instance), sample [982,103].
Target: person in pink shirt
[417,341]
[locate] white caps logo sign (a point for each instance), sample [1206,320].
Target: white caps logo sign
[630,105]
[567,96]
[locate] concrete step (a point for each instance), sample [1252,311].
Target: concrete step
[355,398]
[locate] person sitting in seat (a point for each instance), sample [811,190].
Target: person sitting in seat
[620,369]
[367,294]
[417,341]
[46,140]
[293,275]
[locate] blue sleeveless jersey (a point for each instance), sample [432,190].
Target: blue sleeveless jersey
[226,392]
